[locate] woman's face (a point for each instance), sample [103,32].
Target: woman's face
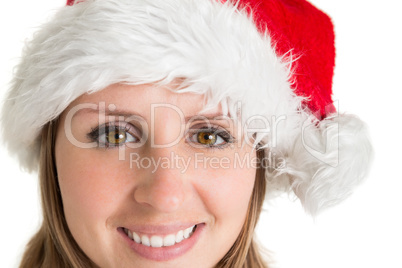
[139,161]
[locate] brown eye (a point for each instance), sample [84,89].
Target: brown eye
[116,137]
[109,135]
[206,138]
[115,134]
[210,138]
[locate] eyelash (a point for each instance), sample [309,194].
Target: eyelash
[96,135]
[99,134]
[217,131]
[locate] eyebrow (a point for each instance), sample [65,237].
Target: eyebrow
[124,113]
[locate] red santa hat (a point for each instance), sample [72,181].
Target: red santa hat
[276,57]
[300,29]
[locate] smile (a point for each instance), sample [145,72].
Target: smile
[162,243]
[157,241]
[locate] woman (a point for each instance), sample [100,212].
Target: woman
[158,126]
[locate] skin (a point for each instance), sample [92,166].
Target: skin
[102,193]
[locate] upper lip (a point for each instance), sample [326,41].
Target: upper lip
[164,229]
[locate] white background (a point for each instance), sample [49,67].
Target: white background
[364,231]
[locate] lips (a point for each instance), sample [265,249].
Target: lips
[168,244]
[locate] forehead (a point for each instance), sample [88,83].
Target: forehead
[141,99]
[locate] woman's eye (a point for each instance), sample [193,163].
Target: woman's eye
[116,137]
[211,138]
[112,136]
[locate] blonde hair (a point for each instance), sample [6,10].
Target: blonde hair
[54,246]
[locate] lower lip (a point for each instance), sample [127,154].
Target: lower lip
[164,253]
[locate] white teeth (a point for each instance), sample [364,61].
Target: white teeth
[169,240]
[179,236]
[158,241]
[187,232]
[145,240]
[136,238]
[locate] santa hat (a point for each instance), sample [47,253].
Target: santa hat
[276,57]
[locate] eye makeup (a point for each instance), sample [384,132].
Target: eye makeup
[114,134]
[210,137]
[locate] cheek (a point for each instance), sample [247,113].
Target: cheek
[226,193]
[88,185]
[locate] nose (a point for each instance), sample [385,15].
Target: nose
[162,187]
